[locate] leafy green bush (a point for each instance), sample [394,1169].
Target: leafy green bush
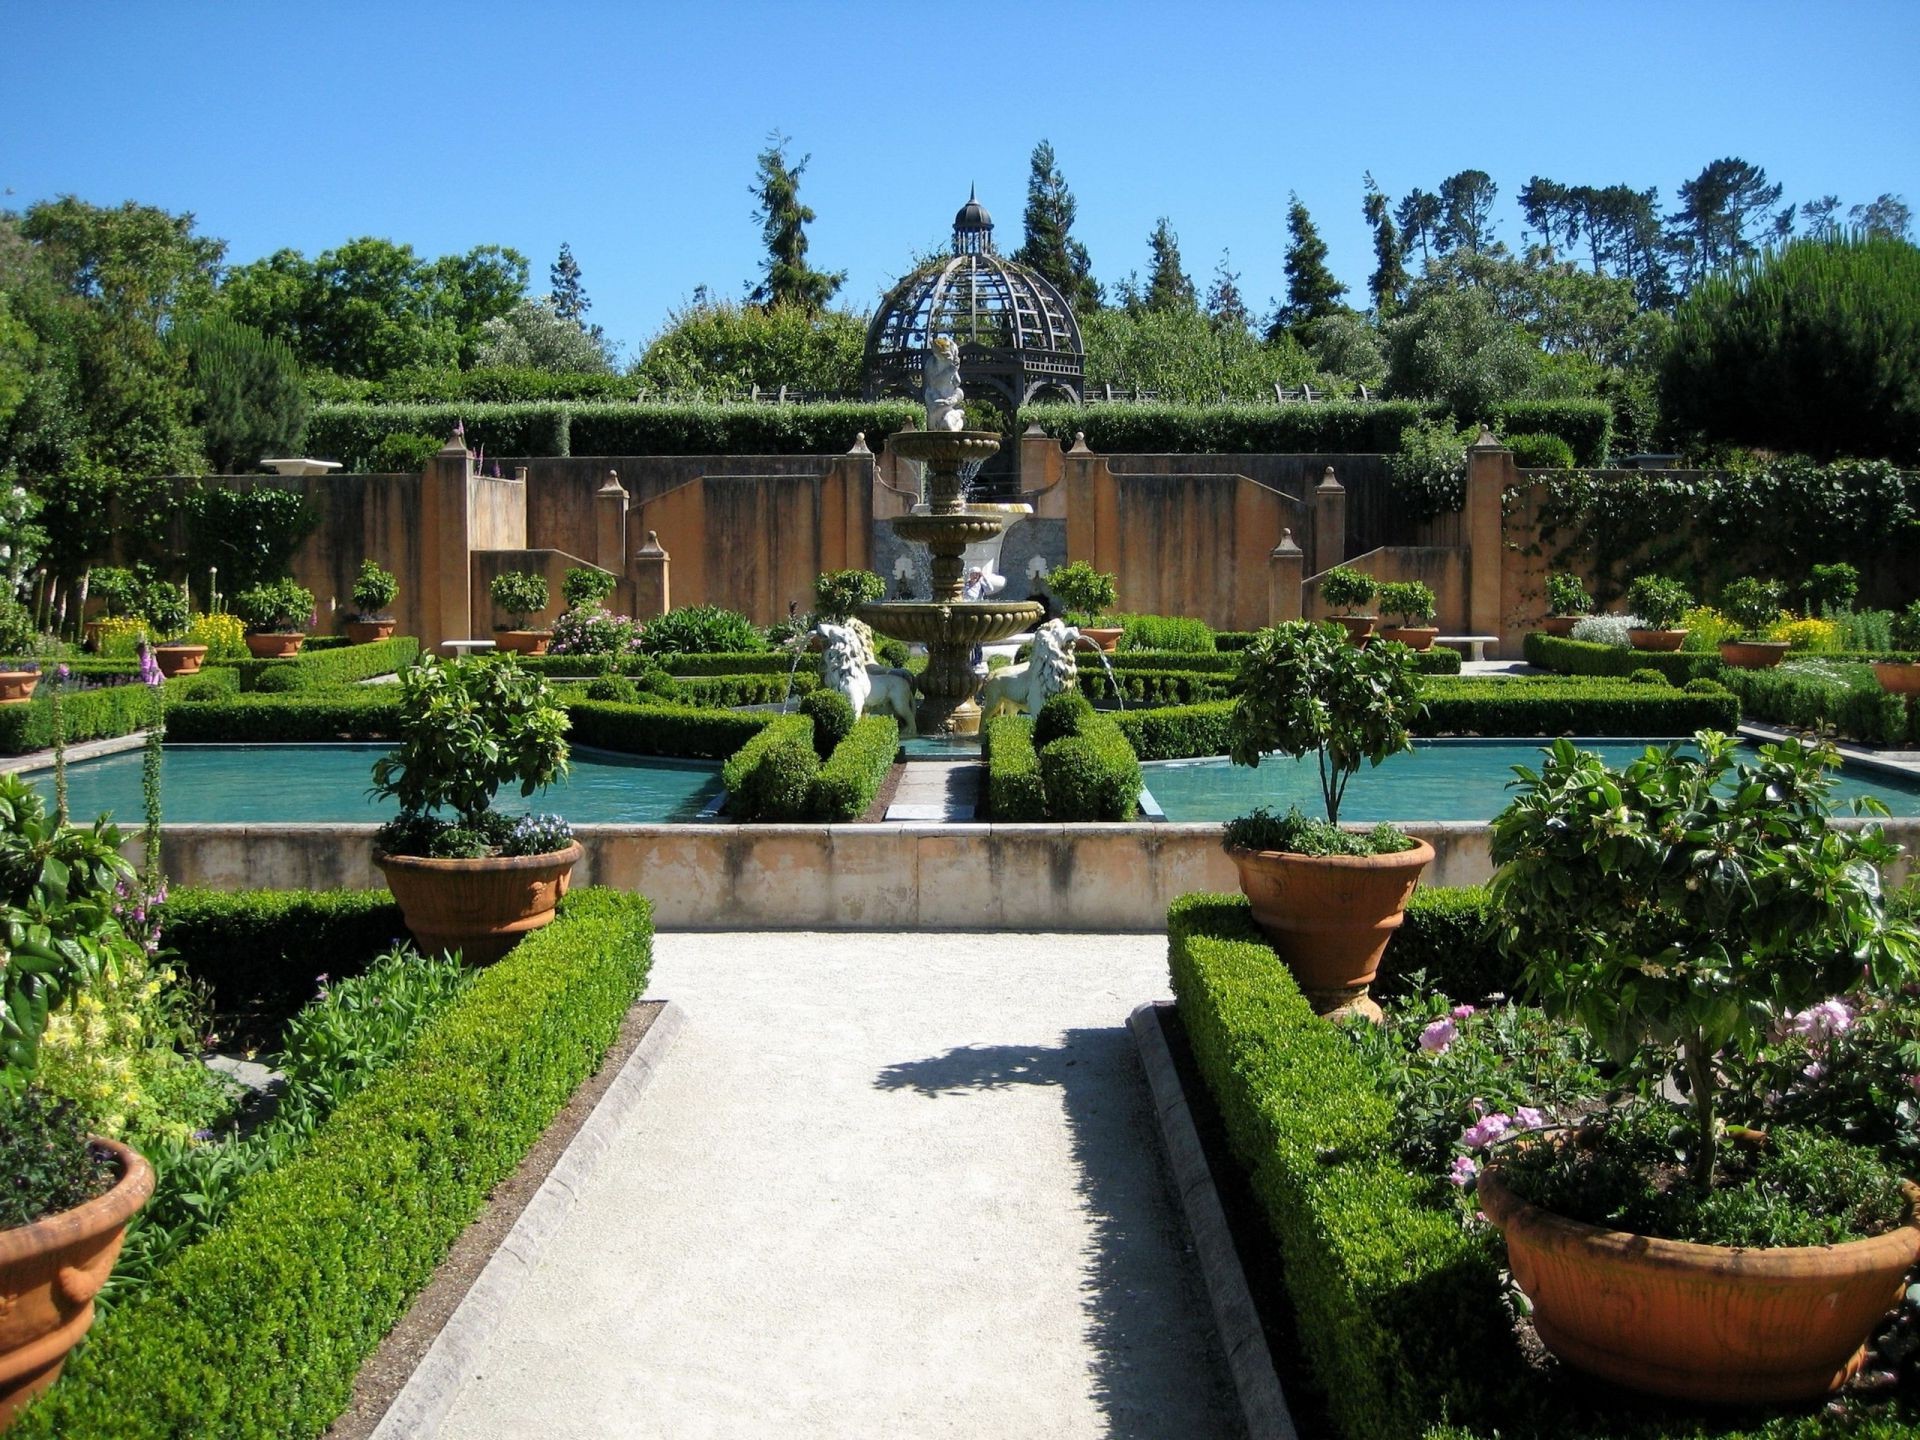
[587,585]
[615,689]
[832,718]
[771,776]
[1429,468]
[1081,589]
[663,729]
[1299,834]
[1567,595]
[1347,589]
[701,630]
[248,532]
[398,453]
[520,593]
[1014,790]
[1831,587]
[1091,776]
[44,1154]
[1649,676]
[1577,657]
[277,607]
[1065,713]
[320,669]
[838,593]
[374,589]
[858,766]
[1753,604]
[88,715]
[1658,601]
[1179,732]
[1540,452]
[1165,634]
[1410,600]
[264,949]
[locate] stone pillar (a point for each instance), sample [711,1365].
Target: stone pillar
[446,544]
[1286,569]
[1490,470]
[610,524]
[649,572]
[1329,523]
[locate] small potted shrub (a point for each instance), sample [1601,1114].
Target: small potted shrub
[1831,589]
[276,615]
[167,611]
[374,590]
[1347,592]
[1659,603]
[1902,677]
[584,586]
[1688,912]
[1411,602]
[117,590]
[1567,604]
[1754,607]
[838,594]
[1087,594]
[1329,900]
[521,593]
[466,877]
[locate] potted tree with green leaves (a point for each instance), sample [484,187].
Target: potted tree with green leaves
[1660,604]
[838,594]
[165,607]
[1327,898]
[1568,603]
[374,589]
[1754,606]
[1347,593]
[1902,676]
[1412,603]
[1686,911]
[117,590]
[1087,594]
[521,594]
[276,614]
[466,877]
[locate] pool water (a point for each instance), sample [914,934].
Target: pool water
[241,784]
[1437,780]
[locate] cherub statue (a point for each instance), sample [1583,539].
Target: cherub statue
[941,388]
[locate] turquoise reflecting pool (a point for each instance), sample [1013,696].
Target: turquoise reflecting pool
[239,784]
[1438,780]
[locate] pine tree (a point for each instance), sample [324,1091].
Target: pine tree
[570,300]
[787,278]
[1388,283]
[1312,292]
[1725,211]
[1048,247]
[1466,206]
[1168,286]
[1419,219]
[1225,307]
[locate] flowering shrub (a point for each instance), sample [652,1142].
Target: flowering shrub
[223,635]
[1706,627]
[1814,635]
[537,835]
[590,630]
[1606,630]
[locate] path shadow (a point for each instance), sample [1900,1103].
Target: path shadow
[1158,1368]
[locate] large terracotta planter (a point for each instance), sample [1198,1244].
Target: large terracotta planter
[1105,636]
[1358,627]
[16,686]
[1701,1322]
[365,632]
[1658,640]
[90,637]
[1561,626]
[1414,637]
[1329,917]
[1753,654]
[179,659]
[1898,677]
[49,1273]
[522,642]
[479,907]
[275,645]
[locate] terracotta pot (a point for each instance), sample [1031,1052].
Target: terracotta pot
[90,637]
[364,632]
[16,686]
[1561,625]
[1414,637]
[179,659]
[1753,654]
[523,642]
[1358,627]
[1330,917]
[1105,636]
[478,907]
[1701,1322]
[1656,639]
[49,1273]
[1898,677]
[276,645]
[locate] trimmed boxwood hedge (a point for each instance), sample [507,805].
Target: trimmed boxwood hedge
[1857,713]
[771,776]
[853,774]
[1014,791]
[725,690]
[358,713]
[267,947]
[318,668]
[1177,732]
[1579,657]
[663,729]
[260,1328]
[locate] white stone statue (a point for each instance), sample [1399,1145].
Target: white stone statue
[865,686]
[940,387]
[1049,670]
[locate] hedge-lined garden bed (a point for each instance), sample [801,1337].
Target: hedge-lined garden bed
[1071,763]
[316,668]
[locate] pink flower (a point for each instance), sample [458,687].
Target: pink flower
[1818,1022]
[1525,1117]
[1462,1012]
[1438,1036]
[149,668]
[1487,1129]
[1913,1082]
[1814,1070]
[1465,1167]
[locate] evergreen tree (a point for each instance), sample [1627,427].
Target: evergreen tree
[1388,283]
[1312,292]
[788,279]
[1168,286]
[1889,216]
[1418,217]
[1048,247]
[570,300]
[1466,212]
[249,398]
[1725,212]
[1821,217]
[1225,307]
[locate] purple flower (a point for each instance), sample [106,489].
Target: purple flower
[1525,1117]
[1814,1070]
[1487,1129]
[1819,1022]
[1438,1036]
[1463,1171]
[149,668]
[1462,1012]
[61,674]
[203,1135]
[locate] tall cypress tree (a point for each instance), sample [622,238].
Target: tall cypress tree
[570,300]
[1168,286]
[1388,283]
[1312,292]
[787,278]
[1048,247]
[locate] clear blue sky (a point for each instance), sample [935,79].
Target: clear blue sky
[630,129]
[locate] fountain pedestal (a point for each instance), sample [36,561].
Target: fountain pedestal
[949,625]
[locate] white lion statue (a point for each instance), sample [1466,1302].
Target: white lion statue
[868,687]
[940,385]
[1049,670]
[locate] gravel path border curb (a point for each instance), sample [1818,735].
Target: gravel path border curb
[424,1401]
[1241,1336]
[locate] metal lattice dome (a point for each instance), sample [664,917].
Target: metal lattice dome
[1018,339]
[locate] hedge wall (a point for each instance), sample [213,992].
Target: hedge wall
[771,777]
[1571,707]
[265,948]
[1579,657]
[1014,791]
[852,776]
[1854,712]
[662,729]
[328,665]
[259,1329]
[89,715]
[369,713]
[1177,732]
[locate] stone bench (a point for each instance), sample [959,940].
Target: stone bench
[1474,645]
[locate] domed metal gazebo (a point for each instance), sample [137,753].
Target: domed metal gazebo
[1018,339]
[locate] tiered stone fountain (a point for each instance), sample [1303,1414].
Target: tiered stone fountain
[949,625]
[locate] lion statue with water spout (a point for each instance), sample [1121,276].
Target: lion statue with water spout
[1049,670]
[869,688]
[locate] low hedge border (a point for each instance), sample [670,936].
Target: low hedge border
[1014,791]
[676,730]
[771,777]
[1177,732]
[1580,657]
[267,948]
[854,773]
[369,713]
[1087,769]
[261,1328]
[573,667]
[314,669]
[100,714]
[726,690]
[1139,686]
[1866,713]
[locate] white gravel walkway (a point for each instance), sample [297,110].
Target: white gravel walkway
[884,1185]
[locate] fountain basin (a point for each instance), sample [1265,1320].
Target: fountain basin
[947,449]
[965,622]
[958,530]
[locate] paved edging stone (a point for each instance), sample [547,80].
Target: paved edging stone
[1241,1336]
[423,1402]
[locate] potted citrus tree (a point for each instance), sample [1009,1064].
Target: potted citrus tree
[1087,594]
[374,589]
[1411,602]
[1567,604]
[1328,899]
[1347,592]
[521,593]
[1660,604]
[1902,676]
[276,615]
[165,607]
[1684,910]
[117,590]
[466,877]
[1754,606]
[584,587]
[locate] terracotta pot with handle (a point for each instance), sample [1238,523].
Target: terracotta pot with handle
[479,907]
[523,642]
[1561,626]
[365,632]
[1658,641]
[275,645]
[1414,637]
[179,659]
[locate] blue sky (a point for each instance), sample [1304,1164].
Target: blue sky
[630,130]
